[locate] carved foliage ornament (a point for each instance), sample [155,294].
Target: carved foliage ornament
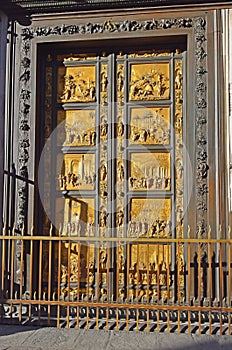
[201,123]
[108,26]
[199,26]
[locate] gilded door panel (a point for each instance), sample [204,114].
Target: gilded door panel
[150,171]
[78,172]
[150,126]
[79,127]
[149,81]
[79,219]
[149,217]
[119,172]
[77,84]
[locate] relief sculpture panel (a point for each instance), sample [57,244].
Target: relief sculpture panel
[79,127]
[150,218]
[77,84]
[150,171]
[149,81]
[150,126]
[78,217]
[78,172]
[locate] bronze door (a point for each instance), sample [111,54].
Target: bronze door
[118,164]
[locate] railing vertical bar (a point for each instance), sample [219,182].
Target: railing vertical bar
[199,280]
[31,272]
[189,267]
[40,278]
[178,321]
[137,319]
[210,282]
[78,272]
[189,274]
[221,289]
[12,277]
[199,270]
[97,317]
[98,273]
[77,317]
[68,285]
[12,259]
[158,320]
[87,317]
[88,271]
[158,276]
[148,318]
[49,275]
[221,330]
[107,318]
[189,321]
[168,272]
[168,320]
[3,266]
[229,280]
[59,281]
[148,275]
[138,275]
[127,319]
[199,321]
[98,283]
[210,322]
[108,272]
[117,274]
[178,275]
[127,271]
[116,319]
[22,264]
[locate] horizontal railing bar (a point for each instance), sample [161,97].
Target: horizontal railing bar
[116,239]
[117,305]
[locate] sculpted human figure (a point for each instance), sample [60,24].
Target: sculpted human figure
[103,172]
[120,217]
[103,128]
[120,128]
[120,171]
[120,81]
[102,217]
[178,79]
[104,82]
[103,258]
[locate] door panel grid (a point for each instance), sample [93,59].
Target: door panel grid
[119,171]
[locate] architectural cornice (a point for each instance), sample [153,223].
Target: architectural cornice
[49,6]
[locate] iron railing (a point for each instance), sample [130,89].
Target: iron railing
[38,288]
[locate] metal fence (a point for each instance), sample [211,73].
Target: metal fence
[42,284]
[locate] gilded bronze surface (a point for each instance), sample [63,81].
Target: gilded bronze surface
[79,172]
[150,171]
[149,217]
[77,84]
[144,170]
[78,219]
[150,125]
[149,81]
[79,127]
[149,274]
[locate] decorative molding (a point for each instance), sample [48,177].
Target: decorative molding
[24,139]
[199,26]
[108,26]
[201,124]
